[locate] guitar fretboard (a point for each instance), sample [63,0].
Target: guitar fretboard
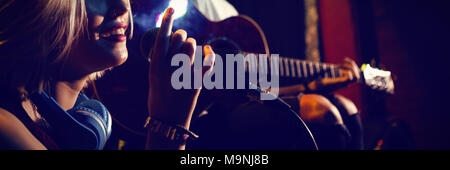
[291,68]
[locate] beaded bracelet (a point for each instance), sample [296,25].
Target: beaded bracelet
[175,133]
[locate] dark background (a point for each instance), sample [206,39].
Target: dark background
[412,40]
[282,22]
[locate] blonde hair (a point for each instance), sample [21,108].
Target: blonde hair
[38,40]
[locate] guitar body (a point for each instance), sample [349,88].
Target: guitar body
[234,34]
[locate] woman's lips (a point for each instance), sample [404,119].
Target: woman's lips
[115,38]
[115,34]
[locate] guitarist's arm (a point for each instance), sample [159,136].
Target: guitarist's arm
[350,73]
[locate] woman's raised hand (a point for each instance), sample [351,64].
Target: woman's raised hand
[164,102]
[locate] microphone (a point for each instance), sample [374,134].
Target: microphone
[147,41]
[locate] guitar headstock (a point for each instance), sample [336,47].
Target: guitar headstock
[378,79]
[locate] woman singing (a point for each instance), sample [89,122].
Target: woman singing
[53,48]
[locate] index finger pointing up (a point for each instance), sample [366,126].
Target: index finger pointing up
[167,22]
[163,36]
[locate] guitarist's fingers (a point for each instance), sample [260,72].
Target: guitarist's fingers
[347,68]
[350,76]
[344,70]
[346,65]
[354,67]
[346,75]
[162,37]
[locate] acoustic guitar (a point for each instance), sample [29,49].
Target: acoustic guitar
[242,35]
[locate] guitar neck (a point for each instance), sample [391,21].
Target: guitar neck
[303,69]
[293,68]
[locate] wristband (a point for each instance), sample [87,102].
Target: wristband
[175,133]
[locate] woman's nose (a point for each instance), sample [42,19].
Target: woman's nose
[118,8]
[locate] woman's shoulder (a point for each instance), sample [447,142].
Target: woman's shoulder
[14,134]
[8,120]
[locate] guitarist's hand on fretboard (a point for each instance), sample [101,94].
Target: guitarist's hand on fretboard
[348,70]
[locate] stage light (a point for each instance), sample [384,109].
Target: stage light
[180,7]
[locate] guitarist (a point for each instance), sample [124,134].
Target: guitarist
[332,118]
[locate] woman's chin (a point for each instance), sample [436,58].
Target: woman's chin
[109,61]
[118,60]
[116,53]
